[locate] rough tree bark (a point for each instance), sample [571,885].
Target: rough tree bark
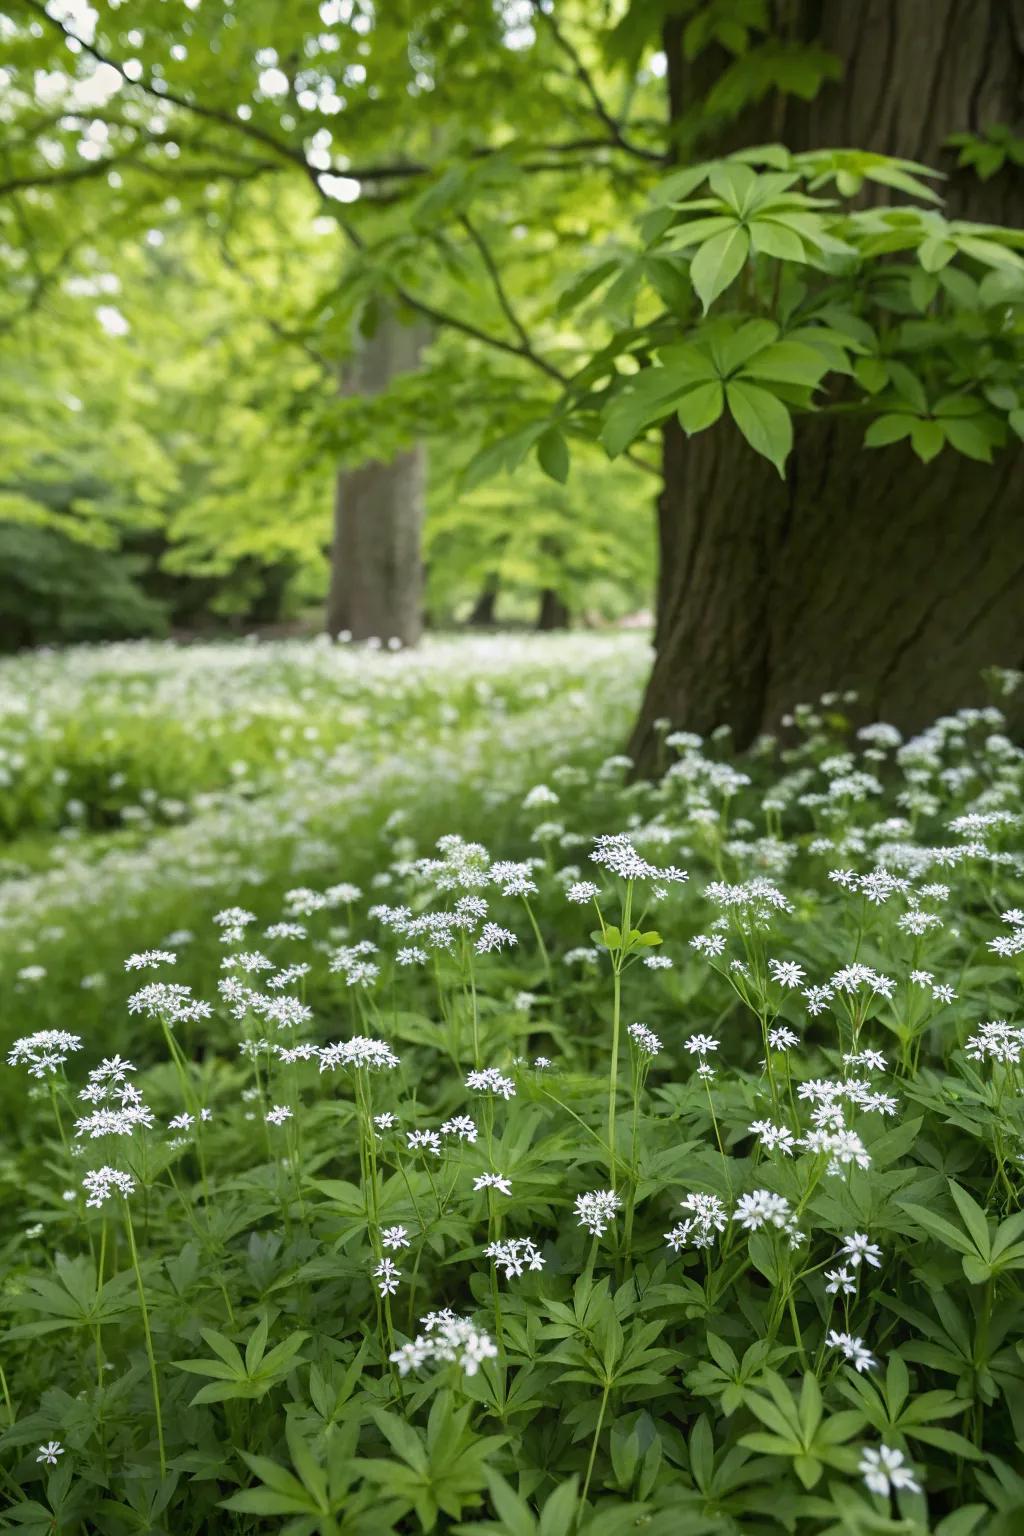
[376,588]
[863,569]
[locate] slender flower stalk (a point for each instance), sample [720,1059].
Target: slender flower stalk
[144,1309]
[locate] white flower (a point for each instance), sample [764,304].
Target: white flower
[596,1209]
[448,1339]
[644,1039]
[857,1249]
[428,1141]
[49,1452]
[772,1136]
[387,1276]
[394,1238]
[460,1126]
[490,1080]
[760,1209]
[883,1470]
[581,892]
[44,1051]
[840,1280]
[786,972]
[360,1051]
[700,1045]
[492,937]
[514,1255]
[101,1183]
[707,1216]
[853,1350]
[278,1115]
[496,1181]
[147,959]
[514,879]
[818,999]
[615,852]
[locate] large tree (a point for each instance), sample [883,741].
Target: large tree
[529,138]
[376,589]
[897,577]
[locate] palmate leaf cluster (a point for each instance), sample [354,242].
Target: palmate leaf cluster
[760,295]
[639,1383]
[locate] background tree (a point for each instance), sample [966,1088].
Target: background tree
[530,137]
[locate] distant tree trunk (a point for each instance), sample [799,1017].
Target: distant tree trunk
[864,569]
[552,613]
[482,614]
[376,587]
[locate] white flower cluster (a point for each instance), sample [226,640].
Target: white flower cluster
[514,1255]
[645,1040]
[596,1209]
[996,1040]
[101,1183]
[360,1051]
[706,1217]
[120,1108]
[446,1339]
[490,1080]
[169,1001]
[616,852]
[44,1052]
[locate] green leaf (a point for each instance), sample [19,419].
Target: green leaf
[652,394]
[970,439]
[553,455]
[256,1345]
[771,237]
[505,454]
[939,1228]
[935,252]
[701,408]
[559,1511]
[733,183]
[989,252]
[889,429]
[927,439]
[730,348]
[718,263]
[973,1218]
[871,374]
[763,420]
[787,362]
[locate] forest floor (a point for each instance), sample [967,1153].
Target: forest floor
[411,1120]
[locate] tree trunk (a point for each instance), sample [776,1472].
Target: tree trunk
[482,615]
[376,588]
[864,569]
[552,612]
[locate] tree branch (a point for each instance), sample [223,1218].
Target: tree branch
[502,296]
[585,78]
[522,348]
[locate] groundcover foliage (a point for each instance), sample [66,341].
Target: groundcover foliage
[655,1167]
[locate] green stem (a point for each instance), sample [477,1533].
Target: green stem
[149,1338]
[593,1452]
[540,941]
[613,1072]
